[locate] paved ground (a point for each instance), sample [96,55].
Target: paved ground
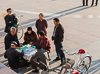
[81,24]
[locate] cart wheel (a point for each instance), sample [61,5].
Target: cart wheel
[20,32]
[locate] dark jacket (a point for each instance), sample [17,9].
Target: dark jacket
[10,20]
[13,56]
[41,26]
[59,35]
[30,37]
[45,43]
[41,56]
[8,39]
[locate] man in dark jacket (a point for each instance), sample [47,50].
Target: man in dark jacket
[41,24]
[11,37]
[14,56]
[10,20]
[84,2]
[58,36]
[95,3]
[40,59]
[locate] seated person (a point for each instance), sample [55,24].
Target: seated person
[44,41]
[30,36]
[11,37]
[14,56]
[40,59]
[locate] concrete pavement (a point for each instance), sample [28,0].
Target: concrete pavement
[81,26]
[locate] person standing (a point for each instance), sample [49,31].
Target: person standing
[10,20]
[95,3]
[58,36]
[84,2]
[41,24]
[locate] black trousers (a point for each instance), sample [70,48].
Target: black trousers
[35,65]
[95,3]
[59,51]
[21,64]
[84,2]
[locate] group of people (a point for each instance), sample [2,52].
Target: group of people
[39,40]
[86,3]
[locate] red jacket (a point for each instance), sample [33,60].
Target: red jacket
[45,43]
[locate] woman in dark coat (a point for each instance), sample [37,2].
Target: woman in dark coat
[30,36]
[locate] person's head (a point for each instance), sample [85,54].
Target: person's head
[41,16]
[12,31]
[41,34]
[38,46]
[56,21]
[9,11]
[13,44]
[29,30]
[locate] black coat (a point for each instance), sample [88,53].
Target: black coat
[8,39]
[10,20]
[59,35]
[13,56]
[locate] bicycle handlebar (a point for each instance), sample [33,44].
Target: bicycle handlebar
[68,53]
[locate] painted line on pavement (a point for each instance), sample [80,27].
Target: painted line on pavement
[36,13]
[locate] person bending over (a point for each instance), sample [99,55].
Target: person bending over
[14,57]
[40,59]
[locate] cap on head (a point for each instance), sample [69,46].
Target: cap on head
[12,28]
[29,28]
[14,43]
[9,9]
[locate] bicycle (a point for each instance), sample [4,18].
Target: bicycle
[20,30]
[82,67]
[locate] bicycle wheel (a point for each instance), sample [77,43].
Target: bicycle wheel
[84,65]
[20,32]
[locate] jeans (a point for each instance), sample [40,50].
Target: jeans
[59,51]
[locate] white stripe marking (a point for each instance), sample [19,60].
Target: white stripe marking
[99,16]
[90,16]
[78,16]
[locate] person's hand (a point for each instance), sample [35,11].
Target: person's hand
[48,51]
[21,45]
[23,51]
[18,24]
[52,38]
[17,47]
[31,43]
